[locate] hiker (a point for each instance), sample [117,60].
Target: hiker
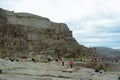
[11,59]
[119,78]
[56,60]
[96,70]
[33,60]
[116,61]
[17,60]
[71,63]
[62,62]
[0,71]
[49,60]
[24,58]
[101,71]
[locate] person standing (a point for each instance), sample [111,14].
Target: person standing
[62,61]
[71,63]
[49,60]
[0,71]
[56,60]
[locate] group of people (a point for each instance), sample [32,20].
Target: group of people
[71,63]
[99,70]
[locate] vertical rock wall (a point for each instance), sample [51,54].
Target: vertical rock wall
[13,38]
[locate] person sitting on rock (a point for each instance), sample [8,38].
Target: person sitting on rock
[96,70]
[11,59]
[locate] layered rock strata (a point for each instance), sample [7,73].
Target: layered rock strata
[28,34]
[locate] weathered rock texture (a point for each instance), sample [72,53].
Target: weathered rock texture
[30,35]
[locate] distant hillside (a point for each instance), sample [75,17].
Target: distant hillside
[108,53]
[117,49]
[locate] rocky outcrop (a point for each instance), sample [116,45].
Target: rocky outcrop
[24,33]
[13,38]
[32,35]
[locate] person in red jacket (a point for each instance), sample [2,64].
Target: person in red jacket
[62,61]
[71,63]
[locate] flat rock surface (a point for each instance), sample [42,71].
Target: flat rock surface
[54,71]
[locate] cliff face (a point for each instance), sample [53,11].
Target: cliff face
[13,38]
[28,34]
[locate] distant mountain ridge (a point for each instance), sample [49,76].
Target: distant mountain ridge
[107,50]
[108,53]
[117,49]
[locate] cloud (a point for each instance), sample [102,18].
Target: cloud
[93,22]
[60,10]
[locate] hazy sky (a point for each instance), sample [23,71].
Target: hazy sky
[93,22]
